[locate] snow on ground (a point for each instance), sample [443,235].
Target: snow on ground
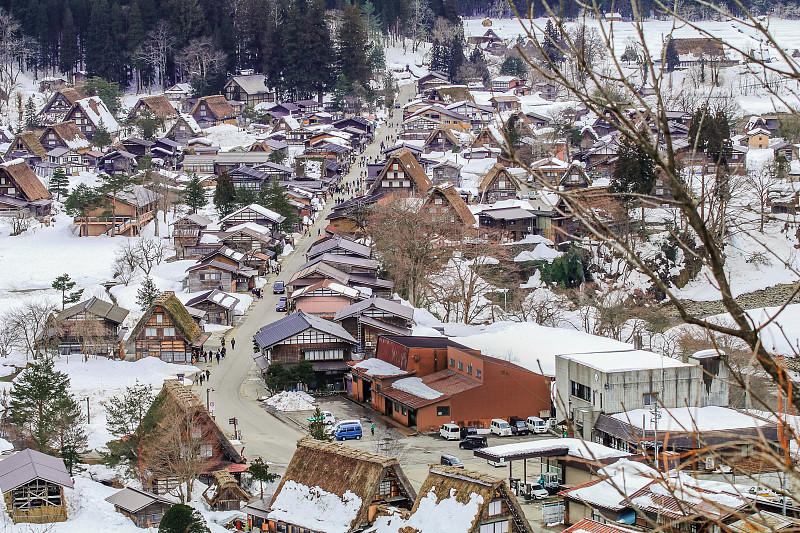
[228,136]
[291,401]
[100,379]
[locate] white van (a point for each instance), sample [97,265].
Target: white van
[500,427]
[536,424]
[450,432]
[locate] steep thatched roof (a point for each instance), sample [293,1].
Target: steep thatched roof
[24,178]
[450,195]
[218,106]
[410,166]
[224,488]
[439,130]
[178,315]
[493,173]
[158,104]
[71,94]
[31,142]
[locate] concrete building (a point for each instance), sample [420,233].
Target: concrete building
[589,384]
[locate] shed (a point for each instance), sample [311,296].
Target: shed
[144,508]
[225,494]
[33,487]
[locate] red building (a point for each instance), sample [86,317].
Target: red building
[428,381]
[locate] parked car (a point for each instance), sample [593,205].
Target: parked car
[536,424]
[327,418]
[538,492]
[500,427]
[278,288]
[282,305]
[450,431]
[473,442]
[349,429]
[519,428]
[468,430]
[451,460]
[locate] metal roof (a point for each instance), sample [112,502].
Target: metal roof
[28,465]
[286,327]
[134,500]
[338,242]
[96,307]
[337,259]
[217,296]
[378,303]
[436,343]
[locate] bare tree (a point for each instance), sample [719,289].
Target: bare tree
[8,336]
[156,50]
[28,322]
[200,59]
[14,49]
[541,306]
[19,221]
[150,253]
[760,181]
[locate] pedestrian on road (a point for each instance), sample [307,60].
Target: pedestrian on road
[202,377]
[372,429]
[217,357]
[233,344]
[223,351]
[223,342]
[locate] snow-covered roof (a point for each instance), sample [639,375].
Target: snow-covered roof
[624,360]
[314,508]
[574,447]
[416,387]
[692,419]
[450,511]
[97,111]
[378,367]
[258,228]
[260,209]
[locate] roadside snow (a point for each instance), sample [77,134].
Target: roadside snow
[291,401]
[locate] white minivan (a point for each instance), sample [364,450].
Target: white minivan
[450,432]
[536,424]
[500,427]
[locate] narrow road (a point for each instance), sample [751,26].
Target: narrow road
[235,384]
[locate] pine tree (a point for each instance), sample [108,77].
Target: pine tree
[101,137]
[64,284]
[43,409]
[259,471]
[194,195]
[225,194]
[316,427]
[318,45]
[115,184]
[671,57]
[353,46]
[59,183]
[147,293]
[514,66]
[634,173]
[30,113]
[552,41]
[99,43]
[148,124]
[440,58]
[80,201]
[457,58]
[274,198]
[42,37]
[181,518]
[68,49]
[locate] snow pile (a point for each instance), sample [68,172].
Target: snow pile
[291,401]
[531,239]
[228,137]
[314,508]
[434,515]
[691,419]
[540,253]
[533,281]
[378,367]
[416,387]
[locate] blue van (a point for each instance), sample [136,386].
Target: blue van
[347,430]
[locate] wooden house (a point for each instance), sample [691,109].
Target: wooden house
[508,224]
[178,94]
[339,245]
[184,128]
[21,190]
[89,327]
[445,171]
[144,508]
[33,487]
[302,336]
[71,161]
[159,105]
[168,331]
[498,184]
[495,509]
[224,493]
[166,153]
[550,169]
[118,162]
[219,306]
[58,106]
[432,79]
[252,213]
[758,138]
[176,404]
[222,269]
[89,114]
[257,512]
[448,94]
[402,174]
[349,484]
[505,82]
[285,109]
[64,135]
[135,208]
[601,202]
[26,144]
[213,111]
[574,178]
[186,232]
[324,298]
[368,319]
[249,237]
[441,140]
[444,200]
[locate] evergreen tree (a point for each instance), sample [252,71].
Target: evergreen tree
[457,58]
[634,173]
[194,194]
[108,91]
[671,57]
[353,46]
[125,417]
[514,66]
[30,113]
[101,137]
[59,183]
[68,49]
[245,196]
[181,518]
[316,427]
[274,198]
[276,377]
[99,43]
[303,372]
[276,66]
[64,284]
[710,133]
[552,41]
[277,156]
[225,194]
[148,125]
[43,409]
[82,199]
[318,46]
[440,58]
[147,293]
[42,36]
[259,471]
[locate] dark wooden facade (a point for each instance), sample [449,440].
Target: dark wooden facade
[168,331]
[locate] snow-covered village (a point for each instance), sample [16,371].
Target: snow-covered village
[395,266]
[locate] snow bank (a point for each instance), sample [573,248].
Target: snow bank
[314,508]
[416,387]
[291,401]
[378,367]
[540,253]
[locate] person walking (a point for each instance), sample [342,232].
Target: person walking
[202,377]
[217,357]
[233,344]
[223,342]
[372,429]
[208,374]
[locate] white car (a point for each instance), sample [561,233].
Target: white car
[500,427]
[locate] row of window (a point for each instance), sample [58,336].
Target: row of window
[461,367]
[324,355]
[153,332]
[580,391]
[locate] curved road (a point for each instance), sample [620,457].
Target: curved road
[235,384]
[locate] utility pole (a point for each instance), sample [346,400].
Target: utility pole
[88,416]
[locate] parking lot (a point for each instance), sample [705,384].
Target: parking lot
[415,452]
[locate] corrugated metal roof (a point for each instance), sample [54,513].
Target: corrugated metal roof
[274,333]
[28,465]
[590,526]
[134,500]
[341,244]
[447,382]
[385,326]
[378,303]
[96,307]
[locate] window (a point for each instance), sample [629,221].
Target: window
[443,410]
[460,365]
[206,450]
[497,527]
[452,362]
[11,191]
[403,410]
[469,369]
[169,332]
[495,507]
[477,373]
[321,355]
[159,318]
[580,391]
[501,184]
[438,201]
[384,489]
[650,398]
[150,332]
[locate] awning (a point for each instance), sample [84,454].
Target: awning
[331,367]
[201,340]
